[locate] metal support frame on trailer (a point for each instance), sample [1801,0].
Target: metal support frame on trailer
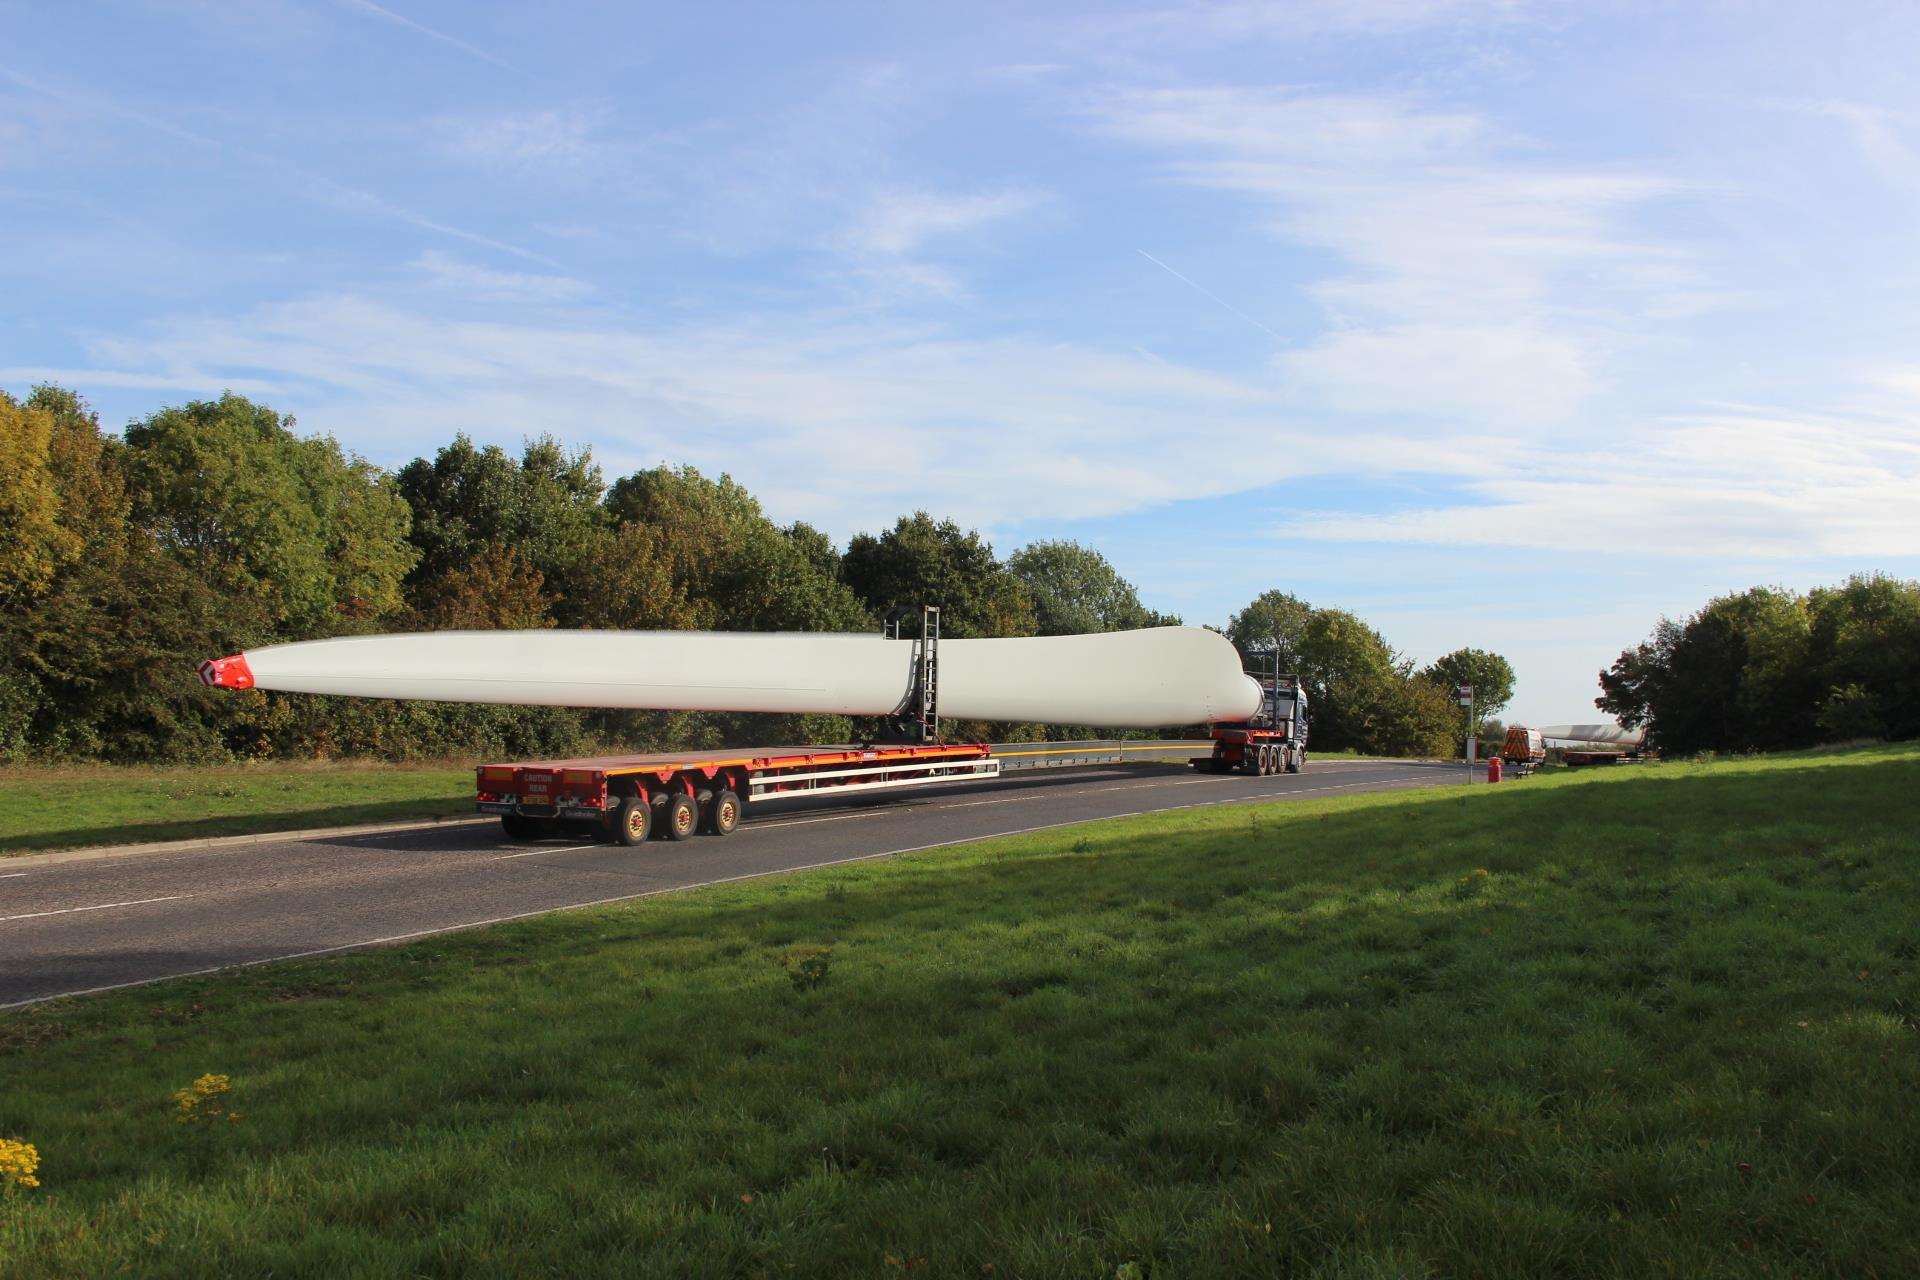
[917,719]
[872,777]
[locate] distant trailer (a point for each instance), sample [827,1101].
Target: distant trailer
[1581,759]
[628,799]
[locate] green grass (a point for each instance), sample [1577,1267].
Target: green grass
[1636,1022]
[58,807]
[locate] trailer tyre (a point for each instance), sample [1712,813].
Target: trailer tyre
[1294,760]
[723,813]
[519,826]
[632,822]
[680,817]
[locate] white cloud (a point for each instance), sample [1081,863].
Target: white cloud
[844,423]
[1747,483]
[548,137]
[1878,133]
[887,237]
[474,281]
[1213,21]
[193,382]
[900,222]
[1476,280]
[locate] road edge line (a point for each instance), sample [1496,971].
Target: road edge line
[55,857]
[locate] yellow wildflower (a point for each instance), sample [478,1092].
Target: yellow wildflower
[204,1101]
[18,1160]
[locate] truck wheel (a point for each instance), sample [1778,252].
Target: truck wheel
[723,813]
[519,826]
[632,822]
[680,817]
[1269,764]
[1294,760]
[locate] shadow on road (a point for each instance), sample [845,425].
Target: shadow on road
[237,825]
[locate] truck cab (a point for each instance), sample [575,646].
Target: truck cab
[1285,708]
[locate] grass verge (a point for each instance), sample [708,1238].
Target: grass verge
[1647,1021]
[61,807]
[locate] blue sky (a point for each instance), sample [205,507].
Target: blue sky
[1505,324]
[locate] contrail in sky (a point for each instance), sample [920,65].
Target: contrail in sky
[398,19]
[338,193]
[1211,294]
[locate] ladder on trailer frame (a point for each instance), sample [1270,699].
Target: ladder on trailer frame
[919,713]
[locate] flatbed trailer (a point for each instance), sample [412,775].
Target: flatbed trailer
[628,799]
[1582,759]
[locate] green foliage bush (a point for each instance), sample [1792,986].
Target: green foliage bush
[1768,668]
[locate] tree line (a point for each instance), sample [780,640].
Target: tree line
[1768,669]
[211,527]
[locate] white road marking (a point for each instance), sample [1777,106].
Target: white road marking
[836,817]
[558,848]
[975,804]
[13,875]
[67,911]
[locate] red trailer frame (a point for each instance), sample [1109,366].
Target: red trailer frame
[629,798]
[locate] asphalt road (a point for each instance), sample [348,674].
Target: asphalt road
[79,927]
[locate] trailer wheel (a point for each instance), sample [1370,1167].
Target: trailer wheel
[1294,760]
[632,822]
[1266,761]
[722,816]
[519,826]
[680,817]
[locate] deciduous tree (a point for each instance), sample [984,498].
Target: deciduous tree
[316,533]
[924,561]
[1076,590]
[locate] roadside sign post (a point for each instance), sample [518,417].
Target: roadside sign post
[1464,693]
